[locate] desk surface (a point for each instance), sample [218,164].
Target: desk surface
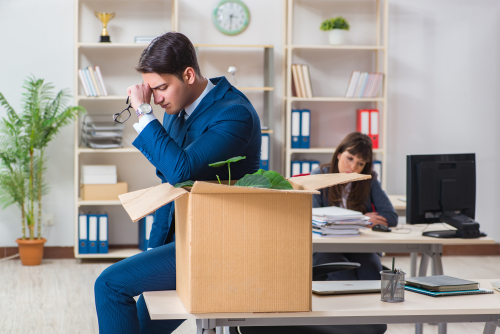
[401,237]
[167,305]
[396,202]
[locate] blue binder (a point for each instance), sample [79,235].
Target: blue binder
[296,129]
[92,233]
[296,168]
[314,165]
[377,167]
[82,234]
[145,226]
[264,152]
[103,234]
[305,128]
[306,167]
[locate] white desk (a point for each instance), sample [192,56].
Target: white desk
[397,241]
[344,310]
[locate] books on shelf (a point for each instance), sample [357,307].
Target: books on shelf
[93,233]
[334,221]
[368,123]
[301,81]
[364,84]
[92,81]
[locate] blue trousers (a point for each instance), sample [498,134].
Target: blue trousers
[369,270]
[115,288]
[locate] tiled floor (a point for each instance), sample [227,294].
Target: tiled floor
[58,296]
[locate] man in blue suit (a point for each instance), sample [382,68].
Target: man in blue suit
[205,121]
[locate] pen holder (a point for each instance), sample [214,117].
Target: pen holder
[393,286]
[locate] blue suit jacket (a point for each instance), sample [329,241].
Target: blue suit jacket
[223,125]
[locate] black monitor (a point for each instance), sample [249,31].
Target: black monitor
[442,188]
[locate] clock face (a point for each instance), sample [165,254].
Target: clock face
[231,17]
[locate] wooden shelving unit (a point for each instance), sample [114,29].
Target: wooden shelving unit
[121,48]
[380,30]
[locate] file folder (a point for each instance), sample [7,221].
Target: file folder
[264,152]
[296,168]
[314,165]
[145,226]
[377,167]
[296,129]
[82,234]
[92,240]
[363,121]
[305,128]
[374,127]
[103,234]
[306,167]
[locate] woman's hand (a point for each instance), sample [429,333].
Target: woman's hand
[139,94]
[376,219]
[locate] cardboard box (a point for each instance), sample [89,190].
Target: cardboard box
[241,249]
[103,192]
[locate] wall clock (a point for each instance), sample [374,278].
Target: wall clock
[231,17]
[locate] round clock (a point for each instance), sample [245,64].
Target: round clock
[231,17]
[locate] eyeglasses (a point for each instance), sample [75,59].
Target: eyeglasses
[120,117]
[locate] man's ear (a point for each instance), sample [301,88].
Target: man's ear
[189,75]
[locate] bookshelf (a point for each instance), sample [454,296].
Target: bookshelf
[117,61]
[317,54]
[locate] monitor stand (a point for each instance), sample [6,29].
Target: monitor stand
[466,227]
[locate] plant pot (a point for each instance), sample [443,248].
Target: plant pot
[31,251]
[337,36]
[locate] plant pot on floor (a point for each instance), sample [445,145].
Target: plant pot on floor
[31,251]
[337,36]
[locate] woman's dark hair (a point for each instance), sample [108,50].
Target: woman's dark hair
[170,53]
[359,145]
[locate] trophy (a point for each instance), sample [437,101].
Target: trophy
[105,18]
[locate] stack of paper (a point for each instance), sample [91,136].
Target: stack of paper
[333,221]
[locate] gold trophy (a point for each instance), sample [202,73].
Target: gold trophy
[105,18]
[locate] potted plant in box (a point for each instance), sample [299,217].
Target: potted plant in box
[337,28]
[23,140]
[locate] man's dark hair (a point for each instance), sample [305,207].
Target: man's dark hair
[170,53]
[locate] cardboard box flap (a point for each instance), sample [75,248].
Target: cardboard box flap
[320,181]
[140,203]
[201,187]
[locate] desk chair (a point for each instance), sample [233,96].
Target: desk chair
[319,274]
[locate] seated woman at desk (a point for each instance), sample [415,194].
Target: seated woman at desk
[355,155]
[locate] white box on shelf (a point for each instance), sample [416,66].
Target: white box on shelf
[99,174]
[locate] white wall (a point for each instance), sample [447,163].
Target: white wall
[443,62]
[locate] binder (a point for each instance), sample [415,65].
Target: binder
[363,121]
[89,82]
[314,165]
[145,226]
[305,128]
[82,234]
[296,140]
[92,228]
[296,167]
[306,167]
[103,234]
[377,167]
[374,127]
[264,152]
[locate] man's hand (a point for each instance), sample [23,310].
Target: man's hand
[139,94]
[376,219]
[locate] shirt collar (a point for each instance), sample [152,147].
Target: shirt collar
[189,109]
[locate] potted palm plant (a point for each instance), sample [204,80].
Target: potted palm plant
[23,140]
[337,28]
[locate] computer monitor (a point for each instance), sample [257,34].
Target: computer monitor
[442,188]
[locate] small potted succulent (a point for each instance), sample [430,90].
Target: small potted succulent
[337,28]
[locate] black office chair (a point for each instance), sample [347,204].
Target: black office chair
[320,272]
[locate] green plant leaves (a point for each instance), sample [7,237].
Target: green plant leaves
[277,181]
[254,181]
[222,163]
[187,183]
[335,23]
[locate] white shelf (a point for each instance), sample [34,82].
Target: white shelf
[337,47]
[115,253]
[102,98]
[108,150]
[337,99]
[263,89]
[112,45]
[111,202]
[256,46]
[329,150]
